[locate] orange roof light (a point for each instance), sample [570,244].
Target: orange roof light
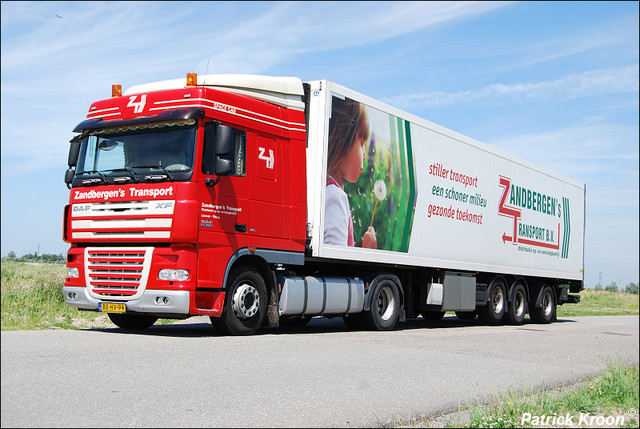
[192,79]
[116,90]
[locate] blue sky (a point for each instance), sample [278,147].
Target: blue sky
[555,83]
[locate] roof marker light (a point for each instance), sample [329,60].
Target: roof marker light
[192,79]
[116,90]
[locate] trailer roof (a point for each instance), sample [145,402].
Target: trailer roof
[283,91]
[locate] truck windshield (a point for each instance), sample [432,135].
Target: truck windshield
[138,153]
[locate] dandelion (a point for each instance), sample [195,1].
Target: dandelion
[380,192]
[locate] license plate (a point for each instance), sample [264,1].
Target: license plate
[112,307]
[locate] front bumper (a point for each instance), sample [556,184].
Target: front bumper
[160,302]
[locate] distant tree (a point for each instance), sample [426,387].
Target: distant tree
[612,287]
[11,256]
[632,288]
[29,257]
[599,286]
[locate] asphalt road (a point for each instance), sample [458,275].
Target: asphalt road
[185,375]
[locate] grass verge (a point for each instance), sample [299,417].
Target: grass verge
[608,400]
[601,303]
[32,299]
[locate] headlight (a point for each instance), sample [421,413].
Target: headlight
[177,275]
[72,272]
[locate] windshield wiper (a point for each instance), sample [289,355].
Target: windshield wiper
[102,178]
[156,176]
[132,174]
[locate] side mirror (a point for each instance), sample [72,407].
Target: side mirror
[224,150]
[68,176]
[218,149]
[74,150]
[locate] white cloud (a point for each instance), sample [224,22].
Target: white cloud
[585,84]
[604,156]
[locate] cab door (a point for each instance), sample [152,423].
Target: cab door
[224,198]
[265,206]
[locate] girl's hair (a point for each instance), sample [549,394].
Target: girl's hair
[348,123]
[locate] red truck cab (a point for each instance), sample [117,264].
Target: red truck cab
[176,183]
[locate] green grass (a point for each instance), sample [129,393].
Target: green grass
[32,299]
[601,303]
[32,296]
[612,394]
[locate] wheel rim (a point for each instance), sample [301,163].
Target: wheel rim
[518,304]
[498,300]
[547,304]
[246,301]
[386,303]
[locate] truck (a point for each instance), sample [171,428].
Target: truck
[265,201]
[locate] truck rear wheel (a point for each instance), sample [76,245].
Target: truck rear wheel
[517,306]
[547,312]
[493,312]
[245,306]
[132,322]
[385,307]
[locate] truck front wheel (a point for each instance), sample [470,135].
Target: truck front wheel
[132,322]
[245,306]
[493,312]
[385,307]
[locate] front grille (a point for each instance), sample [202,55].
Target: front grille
[117,273]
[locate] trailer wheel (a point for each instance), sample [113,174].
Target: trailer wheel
[245,306]
[547,312]
[493,312]
[385,307]
[466,315]
[132,322]
[517,306]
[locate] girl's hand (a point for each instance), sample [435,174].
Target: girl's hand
[369,240]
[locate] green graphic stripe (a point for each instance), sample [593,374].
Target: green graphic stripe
[567,228]
[408,224]
[402,212]
[391,225]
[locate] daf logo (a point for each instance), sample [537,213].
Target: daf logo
[81,208]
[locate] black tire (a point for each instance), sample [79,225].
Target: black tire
[432,316]
[493,312]
[385,307]
[294,322]
[466,315]
[517,306]
[546,313]
[132,322]
[245,303]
